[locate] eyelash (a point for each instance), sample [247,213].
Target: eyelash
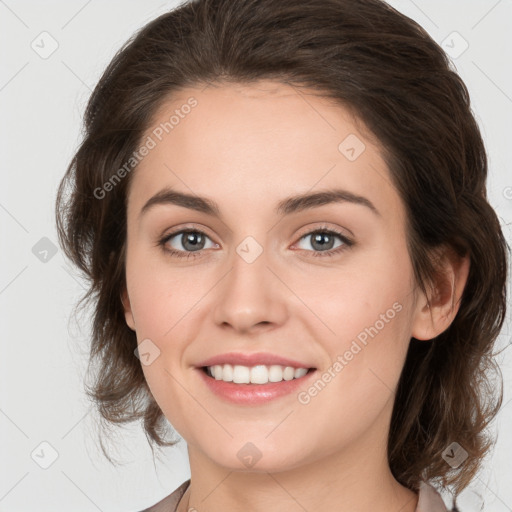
[347,243]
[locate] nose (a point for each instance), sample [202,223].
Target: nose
[250,297]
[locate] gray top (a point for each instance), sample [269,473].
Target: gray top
[429,500]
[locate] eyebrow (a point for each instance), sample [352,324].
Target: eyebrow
[286,206]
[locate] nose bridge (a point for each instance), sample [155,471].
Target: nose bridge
[250,293]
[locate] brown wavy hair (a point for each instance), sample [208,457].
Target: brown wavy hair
[399,82]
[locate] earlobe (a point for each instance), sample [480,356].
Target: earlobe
[125,300]
[436,313]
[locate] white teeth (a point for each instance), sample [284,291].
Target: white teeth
[300,372]
[241,375]
[288,373]
[259,374]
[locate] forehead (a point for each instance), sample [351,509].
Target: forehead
[268,138]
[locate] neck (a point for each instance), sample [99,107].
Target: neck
[342,483]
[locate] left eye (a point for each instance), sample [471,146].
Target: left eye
[324,240]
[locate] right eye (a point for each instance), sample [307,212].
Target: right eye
[190,240]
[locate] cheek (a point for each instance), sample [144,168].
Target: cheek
[159,295]
[367,309]
[363,291]
[367,352]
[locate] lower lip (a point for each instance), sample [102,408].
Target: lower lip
[253,394]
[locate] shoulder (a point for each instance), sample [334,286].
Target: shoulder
[429,500]
[169,503]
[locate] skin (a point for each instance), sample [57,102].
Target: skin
[247,147]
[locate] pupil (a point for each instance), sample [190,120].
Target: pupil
[194,240]
[319,239]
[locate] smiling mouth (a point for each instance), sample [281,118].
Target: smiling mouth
[259,374]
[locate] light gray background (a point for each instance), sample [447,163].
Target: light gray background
[43,357]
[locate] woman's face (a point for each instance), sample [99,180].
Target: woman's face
[326,282]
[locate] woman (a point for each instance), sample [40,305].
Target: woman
[281,209]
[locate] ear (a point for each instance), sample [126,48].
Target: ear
[435,312]
[127,309]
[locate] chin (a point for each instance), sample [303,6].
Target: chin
[257,457]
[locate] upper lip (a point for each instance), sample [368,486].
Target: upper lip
[258,358]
